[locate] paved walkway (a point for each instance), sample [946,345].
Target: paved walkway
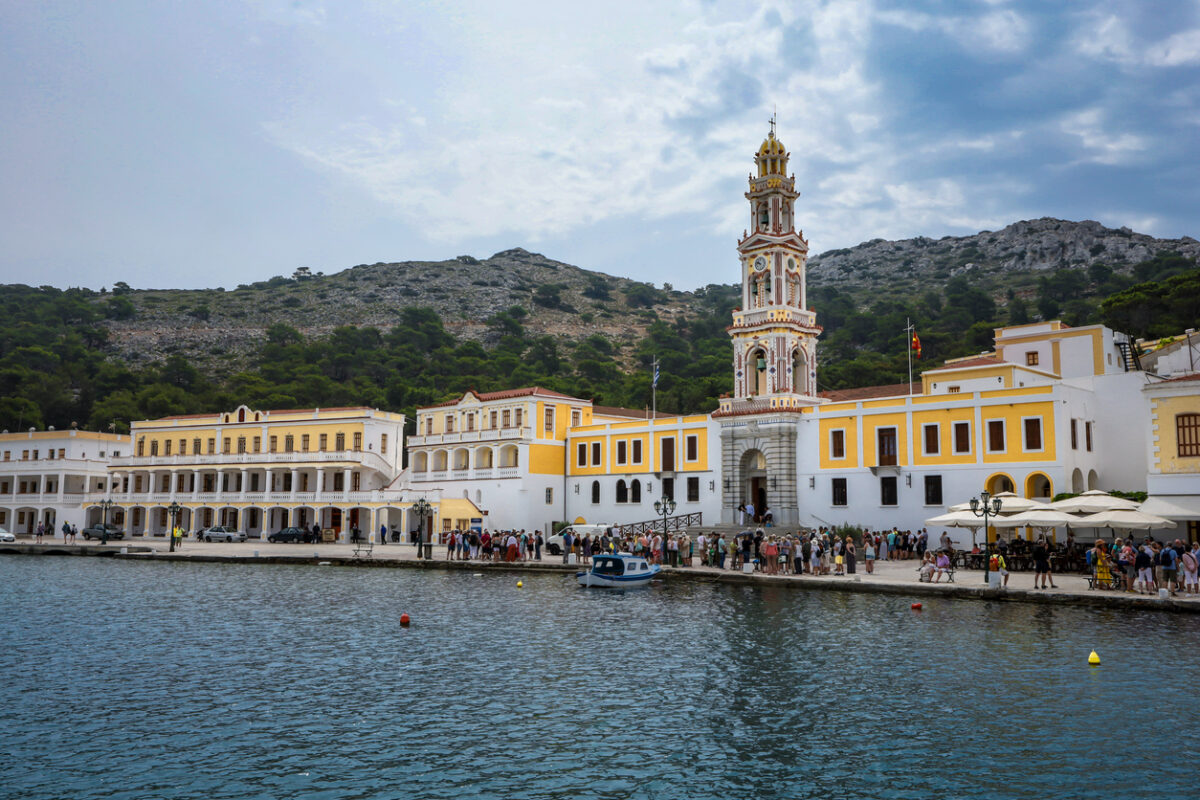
[894,577]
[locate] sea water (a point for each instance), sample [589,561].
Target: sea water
[123,679]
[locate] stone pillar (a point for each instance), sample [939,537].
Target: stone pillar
[295,481]
[244,476]
[346,481]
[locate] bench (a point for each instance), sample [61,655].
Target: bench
[1113,581]
[949,575]
[363,549]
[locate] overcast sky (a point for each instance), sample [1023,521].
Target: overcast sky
[214,143]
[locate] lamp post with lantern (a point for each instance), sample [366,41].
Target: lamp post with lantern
[986,506]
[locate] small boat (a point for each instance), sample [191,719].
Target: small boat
[619,571]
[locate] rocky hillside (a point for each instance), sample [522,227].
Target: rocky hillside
[218,328]
[1008,258]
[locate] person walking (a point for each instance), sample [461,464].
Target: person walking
[66,530]
[1041,565]
[41,530]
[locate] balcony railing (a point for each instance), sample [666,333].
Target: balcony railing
[366,458]
[461,437]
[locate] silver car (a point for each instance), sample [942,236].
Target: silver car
[222,533]
[5,536]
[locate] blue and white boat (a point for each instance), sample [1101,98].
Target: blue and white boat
[619,571]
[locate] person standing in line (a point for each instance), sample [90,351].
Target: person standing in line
[869,553]
[66,530]
[74,532]
[851,556]
[41,530]
[702,543]
[537,545]
[1041,565]
[1167,563]
[1143,562]
[1190,561]
[567,541]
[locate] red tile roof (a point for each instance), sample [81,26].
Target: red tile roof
[868,392]
[505,394]
[632,413]
[1195,376]
[981,361]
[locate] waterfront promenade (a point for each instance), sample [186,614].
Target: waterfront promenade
[894,577]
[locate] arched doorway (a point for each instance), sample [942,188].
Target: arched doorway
[1077,481]
[999,483]
[754,481]
[1093,480]
[1038,486]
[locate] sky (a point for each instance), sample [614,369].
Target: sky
[197,145]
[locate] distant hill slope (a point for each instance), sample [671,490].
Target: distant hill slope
[219,329]
[1011,257]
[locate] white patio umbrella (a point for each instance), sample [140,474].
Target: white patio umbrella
[956,519]
[1036,518]
[1009,504]
[1126,519]
[1093,502]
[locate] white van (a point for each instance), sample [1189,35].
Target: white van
[554,544]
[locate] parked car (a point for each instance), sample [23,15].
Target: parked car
[5,536]
[303,535]
[97,530]
[221,533]
[554,544]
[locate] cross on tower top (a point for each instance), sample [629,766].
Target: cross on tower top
[772,123]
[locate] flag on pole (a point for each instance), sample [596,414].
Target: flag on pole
[916,344]
[655,383]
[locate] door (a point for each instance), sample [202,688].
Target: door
[668,455]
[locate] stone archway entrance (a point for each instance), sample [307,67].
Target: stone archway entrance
[754,482]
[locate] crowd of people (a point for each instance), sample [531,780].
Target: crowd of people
[1146,567]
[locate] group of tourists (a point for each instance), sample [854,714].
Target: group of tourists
[1146,567]
[820,552]
[500,546]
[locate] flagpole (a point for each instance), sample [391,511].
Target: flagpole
[908,338]
[654,389]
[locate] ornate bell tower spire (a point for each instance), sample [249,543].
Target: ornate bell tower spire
[774,335]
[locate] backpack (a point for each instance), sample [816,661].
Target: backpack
[995,563]
[1189,561]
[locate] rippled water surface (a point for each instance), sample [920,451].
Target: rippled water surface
[169,680]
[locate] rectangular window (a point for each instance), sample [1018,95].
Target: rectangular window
[576,418]
[470,422]
[273,444]
[837,444]
[1087,435]
[1187,434]
[517,418]
[449,425]
[962,438]
[323,439]
[886,455]
[166,448]
[257,448]
[549,496]
[8,455]
[357,441]
[212,445]
[581,454]
[692,444]
[226,445]
[887,490]
[428,427]
[304,440]
[548,423]
[153,449]
[595,454]
[141,448]
[1074,434]
[183,447]
[492,419]
[637,451]
[241,444]
[839,491]
[383,444]
[506,418]
[622,453]
[693,490]
[933,439]
[995,433]
[35,452]
[62,452]
[339,442]
[1033,434]
[289,443]
[668,488]
[195,447]
[933,490]
[356,481]
[1031,358]
[953,389]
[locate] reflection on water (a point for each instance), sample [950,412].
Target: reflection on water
[131,680]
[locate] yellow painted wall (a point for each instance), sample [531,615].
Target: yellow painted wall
[1166,443]
[1014,435]
[945,419]
[1004,371]
[871,425]
[850,425]
[249,430]
[547,459]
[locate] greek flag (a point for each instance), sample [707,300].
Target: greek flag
[655,384]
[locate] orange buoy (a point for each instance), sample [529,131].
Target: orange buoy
[404,620]
[916,606]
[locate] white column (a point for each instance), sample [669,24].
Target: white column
[346,482]
[173,484]
[295,481]
[245,476]
[196,482]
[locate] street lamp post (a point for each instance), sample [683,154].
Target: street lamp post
[423,510]
[666,507]
[985,506]
[173,510]
[105,505]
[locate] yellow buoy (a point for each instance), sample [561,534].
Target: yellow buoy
[519,585]
[1094,659]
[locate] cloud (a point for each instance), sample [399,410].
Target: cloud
[1101,145]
